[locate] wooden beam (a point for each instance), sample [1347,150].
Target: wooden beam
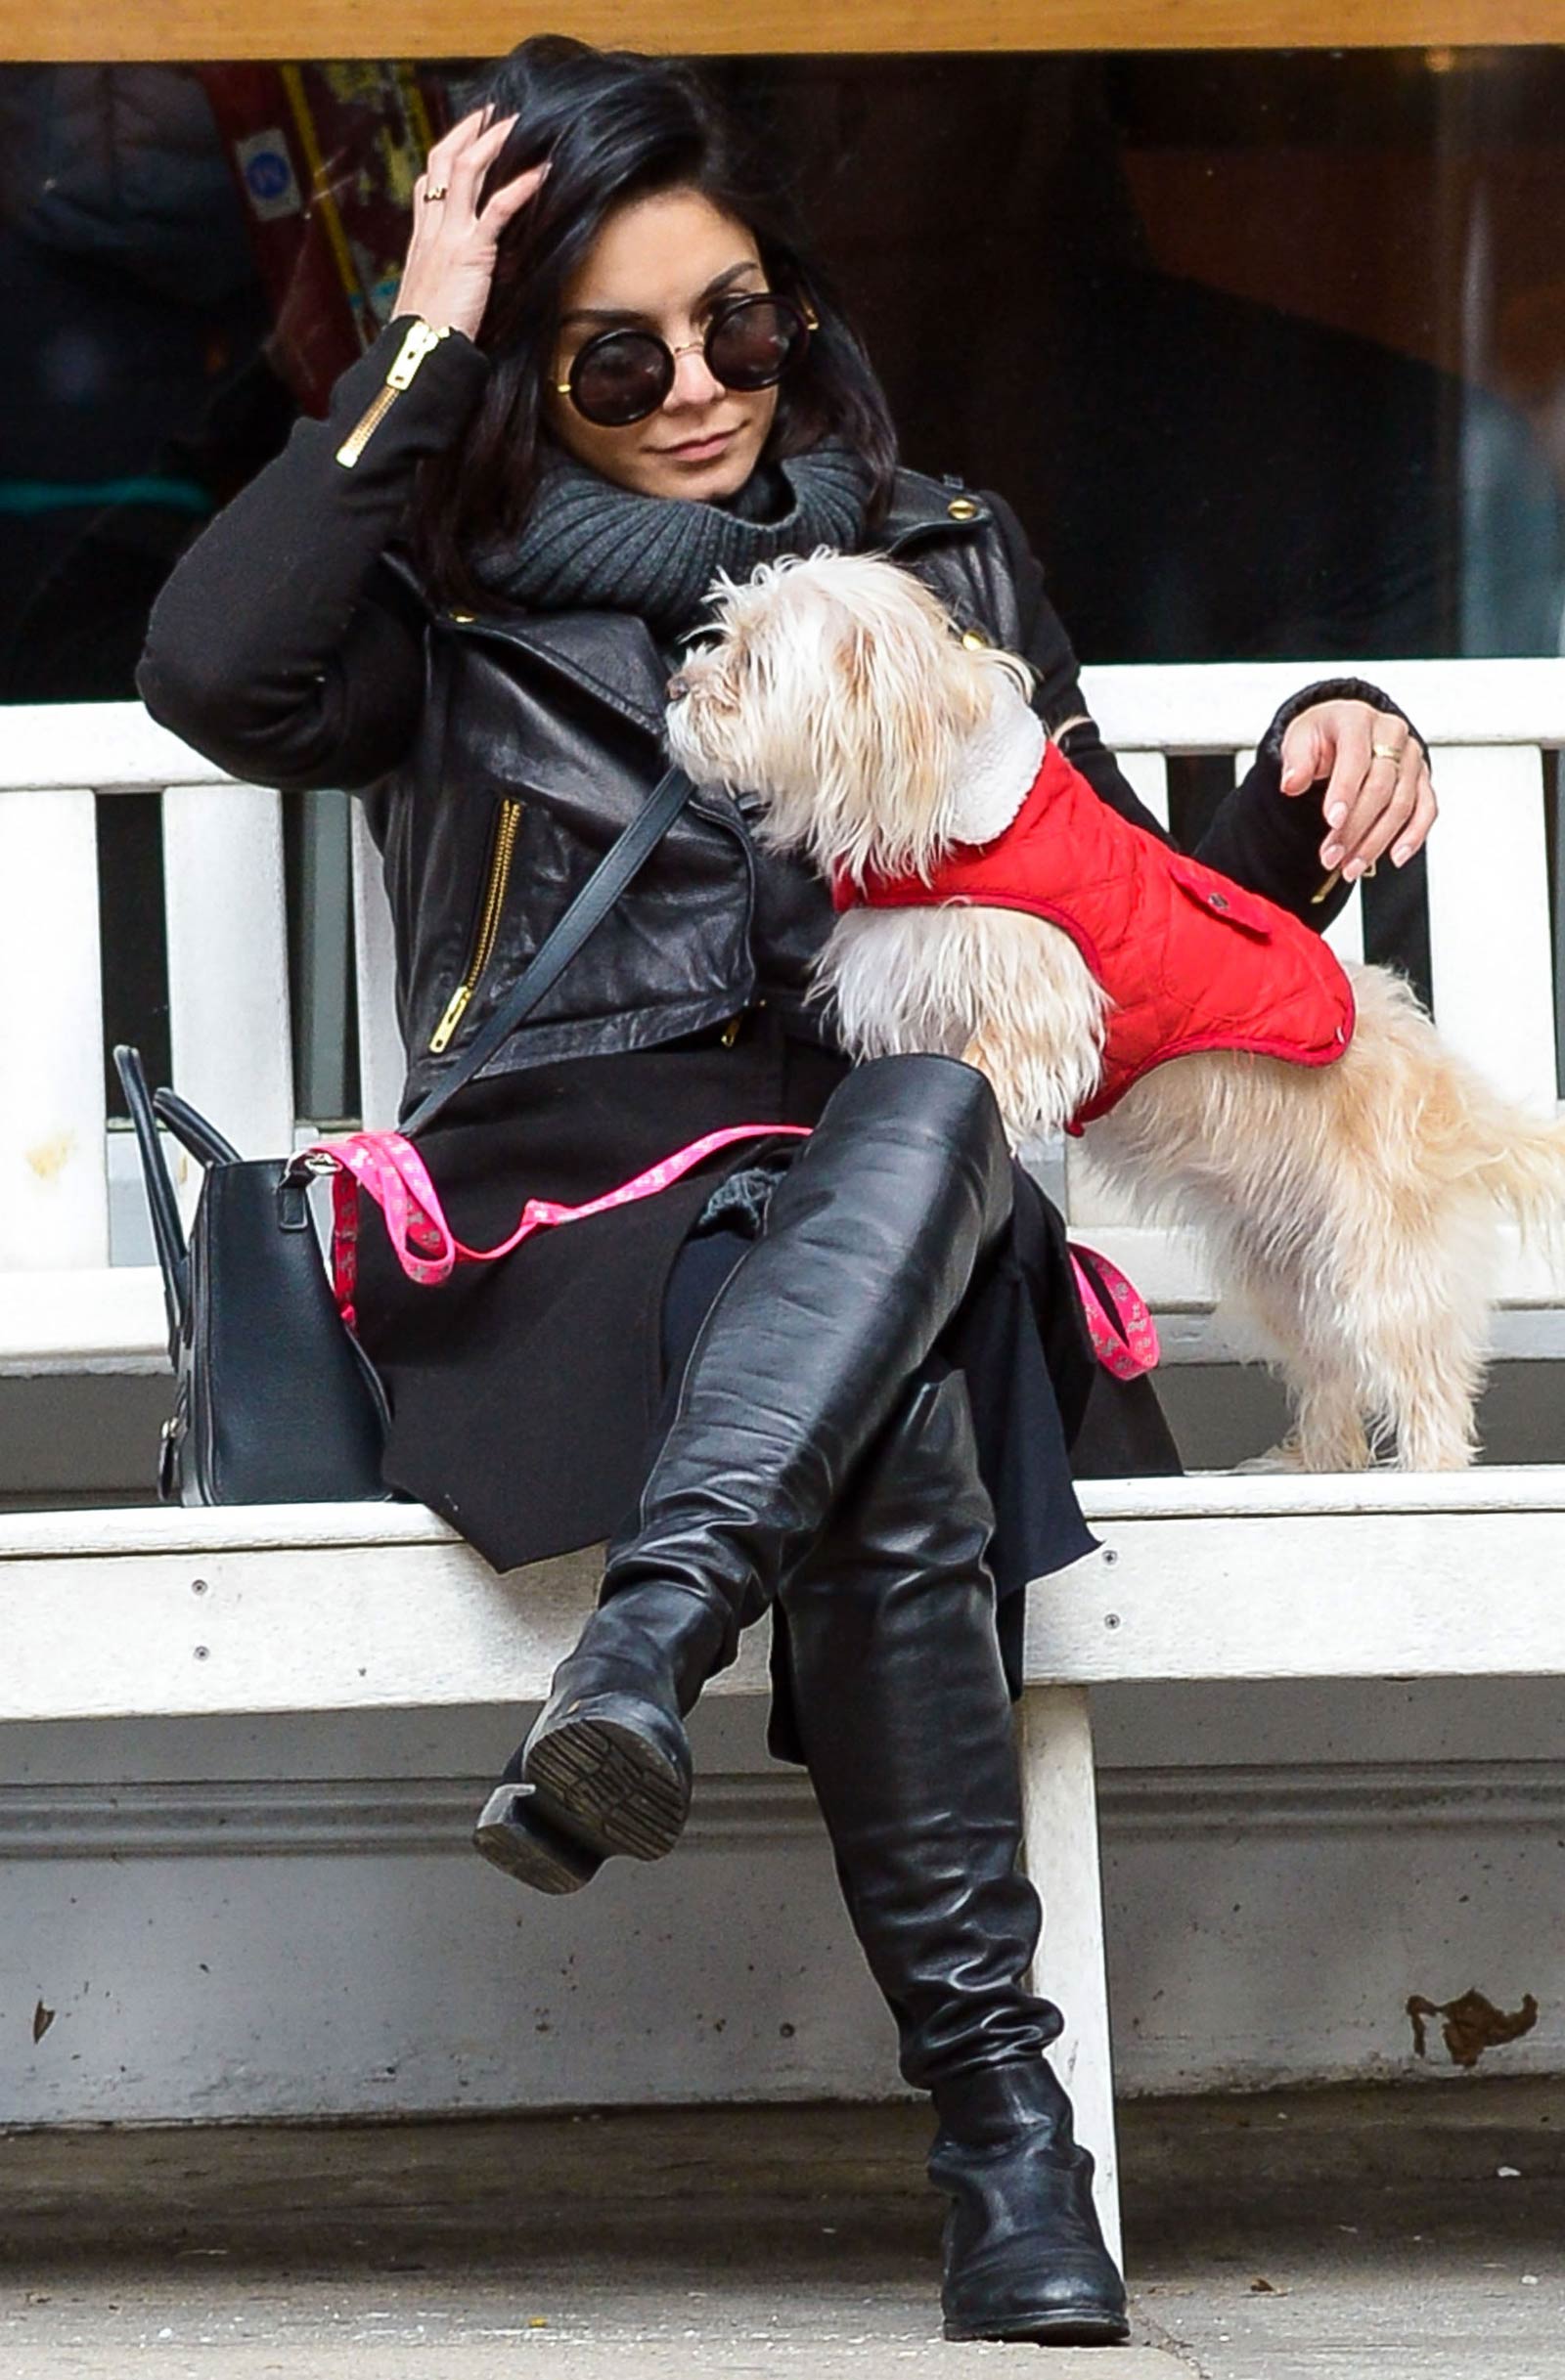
[84,30]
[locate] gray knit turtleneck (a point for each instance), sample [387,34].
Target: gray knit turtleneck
[588,544]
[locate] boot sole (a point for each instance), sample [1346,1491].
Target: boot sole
[1063,2329]
[512,1834]
[602,1782]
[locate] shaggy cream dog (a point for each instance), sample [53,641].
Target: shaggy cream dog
[1351,1206]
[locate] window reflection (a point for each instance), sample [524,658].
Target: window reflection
[1268,350]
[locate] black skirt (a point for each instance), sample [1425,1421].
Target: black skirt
[525,1394]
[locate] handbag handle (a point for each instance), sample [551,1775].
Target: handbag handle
[624,860]
[192,1130]
[168,1232]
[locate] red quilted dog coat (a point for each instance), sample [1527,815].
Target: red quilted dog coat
[1189,960]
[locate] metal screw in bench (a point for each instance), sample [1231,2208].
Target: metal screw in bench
[197,1586]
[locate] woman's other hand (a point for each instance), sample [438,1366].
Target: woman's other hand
[1378,795]
[451,257]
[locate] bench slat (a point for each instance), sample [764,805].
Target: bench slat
[54,1187]
[1207,707]
[1442,1594]
[1148,774]
[228,992]
[343,1627]
[138,1530]
[354,1606]
[91,1320]
[1489,928]
[113,746]
[1345,933]
[1218,706]
[355,1628]
[380,1059]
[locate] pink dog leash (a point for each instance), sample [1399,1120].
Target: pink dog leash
[388,1169]
[1119,1324]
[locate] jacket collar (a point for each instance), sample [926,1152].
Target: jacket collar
[570,644]
[923,507]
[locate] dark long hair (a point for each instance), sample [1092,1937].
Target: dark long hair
[613,126]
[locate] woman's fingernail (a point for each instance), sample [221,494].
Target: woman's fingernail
[1401,855]
[1330,854]
[1353,872]
[1337,814]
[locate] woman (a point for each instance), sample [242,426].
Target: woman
[837,1378]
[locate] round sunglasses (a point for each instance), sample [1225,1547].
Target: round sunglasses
[621,377]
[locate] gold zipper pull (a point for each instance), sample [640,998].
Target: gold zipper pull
[453,1017]
[422,337]
[419,339]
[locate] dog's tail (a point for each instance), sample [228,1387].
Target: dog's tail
[1423,1103]
[1523,1169]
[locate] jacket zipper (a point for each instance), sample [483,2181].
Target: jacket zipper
[420,338]
[483,941]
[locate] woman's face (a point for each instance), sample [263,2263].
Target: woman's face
[662,264]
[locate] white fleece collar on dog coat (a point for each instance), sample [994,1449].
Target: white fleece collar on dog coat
[997,769]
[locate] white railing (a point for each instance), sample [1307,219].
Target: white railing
[64,1306]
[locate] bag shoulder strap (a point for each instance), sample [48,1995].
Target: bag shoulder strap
[624,860]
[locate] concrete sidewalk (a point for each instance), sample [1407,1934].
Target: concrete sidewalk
[1322,2237]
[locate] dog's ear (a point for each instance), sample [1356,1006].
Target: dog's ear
[906,697]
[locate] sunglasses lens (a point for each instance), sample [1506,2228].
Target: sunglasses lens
[621,377]
[752,345]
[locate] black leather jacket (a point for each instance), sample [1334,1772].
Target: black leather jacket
[499,756]
[539,740]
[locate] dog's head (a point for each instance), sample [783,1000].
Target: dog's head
[837,688]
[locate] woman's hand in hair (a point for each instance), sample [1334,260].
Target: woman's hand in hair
[451,257]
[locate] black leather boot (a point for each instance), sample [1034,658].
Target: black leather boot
[870,1244]
[904,1719]
[1024,2252]
[607,1766]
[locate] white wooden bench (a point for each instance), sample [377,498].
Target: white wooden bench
[115,1615]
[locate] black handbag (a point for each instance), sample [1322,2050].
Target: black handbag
[274,1401]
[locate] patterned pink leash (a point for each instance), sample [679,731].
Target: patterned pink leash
[388,1169]
[1122,1330]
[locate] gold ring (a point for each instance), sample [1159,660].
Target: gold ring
[1388,752]
[437,190]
